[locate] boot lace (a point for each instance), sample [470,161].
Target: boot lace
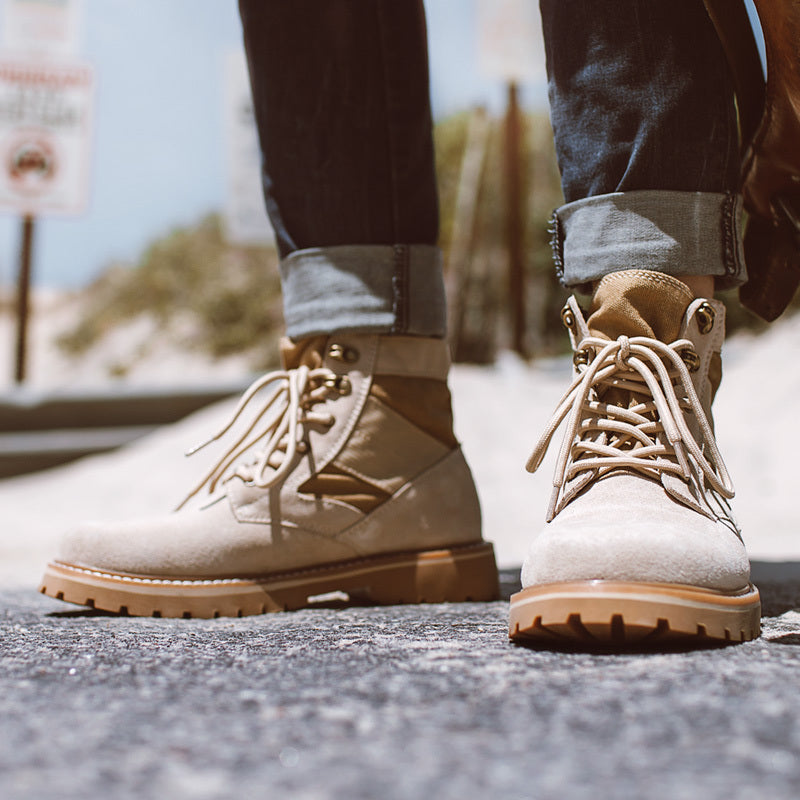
[278,420]
[650,436]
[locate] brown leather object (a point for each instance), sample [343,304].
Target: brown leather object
[736,34]
[772,255]
[770,127]
[772,164]
[771,170]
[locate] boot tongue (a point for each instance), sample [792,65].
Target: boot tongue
[304,352]
[639,303]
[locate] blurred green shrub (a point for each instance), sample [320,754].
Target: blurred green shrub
[232,294]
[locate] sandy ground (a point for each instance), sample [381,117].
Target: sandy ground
[137,352]
[499,413]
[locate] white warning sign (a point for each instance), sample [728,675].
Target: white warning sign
[50,28]
[45,136]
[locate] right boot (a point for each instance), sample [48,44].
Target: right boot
[345,482]
[640,545]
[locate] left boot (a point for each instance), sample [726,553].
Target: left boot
[340,478]
[641,545]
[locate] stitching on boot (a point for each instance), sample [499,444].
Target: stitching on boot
[334,566]
[651,277]
[369,353]
[368,346]
[387,509]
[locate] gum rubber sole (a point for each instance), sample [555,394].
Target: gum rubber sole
[614,613]
[454,574]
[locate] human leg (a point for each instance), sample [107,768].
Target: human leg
[647,142]
[348,478]
[640,543]
[341,98]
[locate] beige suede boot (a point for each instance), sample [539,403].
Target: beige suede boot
[640,544]
[345,481]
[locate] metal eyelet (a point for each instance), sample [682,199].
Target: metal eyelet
[691,359]
[568,318]
[339,382]
[705,317]
[582,357]
[338,352]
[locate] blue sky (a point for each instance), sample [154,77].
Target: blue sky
[159,155]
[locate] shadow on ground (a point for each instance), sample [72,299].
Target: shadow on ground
[779,585]
[777,581]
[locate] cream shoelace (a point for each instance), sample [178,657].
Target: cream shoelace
[651,437]
[279,420]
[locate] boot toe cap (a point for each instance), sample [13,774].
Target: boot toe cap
[642,536]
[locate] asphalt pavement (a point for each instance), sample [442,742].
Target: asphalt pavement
[392,702]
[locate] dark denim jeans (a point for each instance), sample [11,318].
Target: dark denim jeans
[643,112]
[340,89]
[640,97]
[645,130]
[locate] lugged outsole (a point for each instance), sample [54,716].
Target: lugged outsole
[455,574]
[622,614]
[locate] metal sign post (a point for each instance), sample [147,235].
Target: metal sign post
[23,297]
[514,219]
[511,49]
[45,139]
[46,98]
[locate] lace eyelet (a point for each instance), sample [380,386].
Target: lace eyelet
[705,318]
[338,352]
[341,383]
[568,318]
[691,359]
[582,357]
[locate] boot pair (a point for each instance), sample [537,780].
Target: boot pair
[340,477]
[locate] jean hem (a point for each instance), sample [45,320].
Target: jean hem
[677,233]
[364,288]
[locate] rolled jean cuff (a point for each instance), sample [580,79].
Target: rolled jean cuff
[679,233]
[364,288]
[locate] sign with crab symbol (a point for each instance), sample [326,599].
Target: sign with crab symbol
[45,136]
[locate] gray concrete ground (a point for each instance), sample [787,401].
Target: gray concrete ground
[411,702]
